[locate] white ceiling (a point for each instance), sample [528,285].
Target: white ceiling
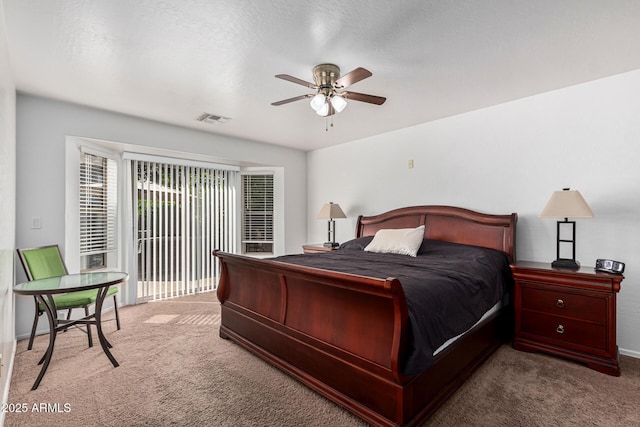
[171,60]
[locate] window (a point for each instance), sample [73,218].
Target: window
[98,210]
[257,213]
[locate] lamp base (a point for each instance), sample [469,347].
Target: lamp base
[566,263]
[331,244]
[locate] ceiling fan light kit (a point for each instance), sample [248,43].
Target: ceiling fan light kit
[330,96]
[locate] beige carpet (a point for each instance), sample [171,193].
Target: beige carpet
[176,371]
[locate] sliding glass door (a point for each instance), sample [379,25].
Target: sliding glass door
[181,214]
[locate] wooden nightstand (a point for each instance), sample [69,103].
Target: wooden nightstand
[567,313]
[317,248]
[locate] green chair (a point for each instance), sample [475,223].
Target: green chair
[46,261]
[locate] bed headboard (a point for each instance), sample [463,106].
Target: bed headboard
[448,223]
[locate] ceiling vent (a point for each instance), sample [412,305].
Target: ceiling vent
[212,118]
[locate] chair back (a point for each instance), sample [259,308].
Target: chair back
[42,262]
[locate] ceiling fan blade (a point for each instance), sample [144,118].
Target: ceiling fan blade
[352,77]
[297,98]
[292,79]
[363,97]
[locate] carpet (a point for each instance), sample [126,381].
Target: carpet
[176,371]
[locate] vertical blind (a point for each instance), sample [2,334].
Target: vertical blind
[257,213]
[181,214]
[98,204]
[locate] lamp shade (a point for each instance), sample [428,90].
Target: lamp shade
[317,101]
[323,110]
[566,204]
[338,103]
[330,211]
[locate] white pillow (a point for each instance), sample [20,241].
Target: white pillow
[403,241]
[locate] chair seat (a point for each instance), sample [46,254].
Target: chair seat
[79,298]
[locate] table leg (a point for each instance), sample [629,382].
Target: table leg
[50,309]
[102,293]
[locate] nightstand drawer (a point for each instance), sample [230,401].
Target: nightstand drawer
[565,330]
[560,303]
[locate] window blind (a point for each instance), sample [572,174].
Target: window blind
[257,213]
[98,204]
[182,213]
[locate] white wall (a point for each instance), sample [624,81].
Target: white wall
[42,128]
[7,211]
[509,158]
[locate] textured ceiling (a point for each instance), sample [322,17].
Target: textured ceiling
[172,60]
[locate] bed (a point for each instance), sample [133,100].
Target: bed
[352,337]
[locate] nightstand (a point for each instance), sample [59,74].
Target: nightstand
[567,313]
[317,248]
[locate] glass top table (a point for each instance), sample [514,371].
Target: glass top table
[44,290]
[70,283]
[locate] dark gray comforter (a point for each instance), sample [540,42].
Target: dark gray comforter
[448,287]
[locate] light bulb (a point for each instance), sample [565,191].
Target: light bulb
[317,101]
[338,103]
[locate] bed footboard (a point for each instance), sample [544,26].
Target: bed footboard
[339,334]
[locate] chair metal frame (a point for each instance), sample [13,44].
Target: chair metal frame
[39,312]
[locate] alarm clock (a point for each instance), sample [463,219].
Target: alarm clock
[609,266]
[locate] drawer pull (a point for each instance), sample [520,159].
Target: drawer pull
[560,303]
[560,329]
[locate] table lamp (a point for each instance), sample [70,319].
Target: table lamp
[566,204]
[330,211]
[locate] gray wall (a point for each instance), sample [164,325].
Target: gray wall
[7,212]
[509,158]
[43,124]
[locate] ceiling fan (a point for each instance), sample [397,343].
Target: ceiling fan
[330,96]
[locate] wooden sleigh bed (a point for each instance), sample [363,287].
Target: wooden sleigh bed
[345,335]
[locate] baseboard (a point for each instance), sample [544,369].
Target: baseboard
[629,353]
[7,380]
